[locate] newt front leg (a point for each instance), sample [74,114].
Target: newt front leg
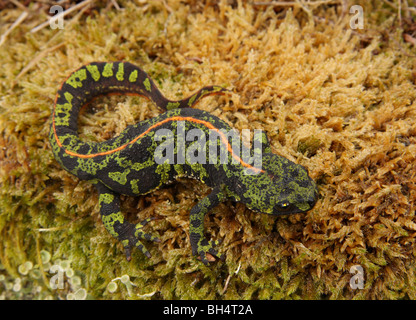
[128,233]
[200,245]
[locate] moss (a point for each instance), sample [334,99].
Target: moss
[340,101]
[309,146]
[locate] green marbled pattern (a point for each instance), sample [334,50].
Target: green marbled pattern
[131,162]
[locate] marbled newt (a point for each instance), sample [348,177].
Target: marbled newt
[144,156]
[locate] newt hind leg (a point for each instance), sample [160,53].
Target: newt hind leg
[127,233]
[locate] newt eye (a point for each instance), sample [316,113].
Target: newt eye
[283,206]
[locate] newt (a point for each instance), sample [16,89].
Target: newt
[157,151]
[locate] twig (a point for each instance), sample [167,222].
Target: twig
[115,4]
[61,15]
[36,59]
[229,278]
[390,4]
[19,20]
[275,4]
[399,13]
[305,6]
[294,3]
[406,9]
[18,4]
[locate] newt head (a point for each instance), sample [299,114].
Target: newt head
[282,187]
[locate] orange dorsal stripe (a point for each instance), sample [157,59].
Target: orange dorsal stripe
[156,125]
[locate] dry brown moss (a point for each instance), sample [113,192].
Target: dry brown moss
[338,101]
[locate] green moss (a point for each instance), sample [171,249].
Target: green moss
[346,100]
[309,146]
